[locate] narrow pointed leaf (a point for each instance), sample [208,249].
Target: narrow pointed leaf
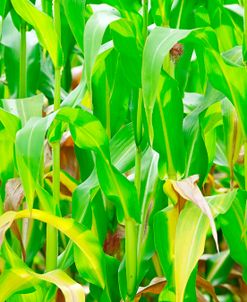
[44,27]
[94,32]
[189,190]
[10,122]
[157,47]
[230,80]
[167,123]
[116,187]
[233,227]
[75,11]
[29,148]
[232,132]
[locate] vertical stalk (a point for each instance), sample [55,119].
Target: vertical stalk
[22,93]
[245,30]
[245,164]
[245,184]
[131,258]
[23,62]
[138,156]
[52,234]
[139,109]
[232,178]
[138,162]
[145,19]
[245,144]
[130,225]
[245,47]
[108,111]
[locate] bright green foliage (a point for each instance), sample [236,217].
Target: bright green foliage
[134,187]
[44,28]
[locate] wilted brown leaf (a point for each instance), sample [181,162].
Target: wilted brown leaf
[155,287]
[47,156]
[200,297]
[68,159]
[201,282]
[14,194]
[188,189]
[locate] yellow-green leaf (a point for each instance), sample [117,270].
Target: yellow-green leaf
[44,28]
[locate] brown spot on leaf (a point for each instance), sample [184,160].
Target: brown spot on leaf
[176,52]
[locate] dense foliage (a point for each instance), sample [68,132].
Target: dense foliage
[123,142]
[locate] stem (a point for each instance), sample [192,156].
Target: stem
[108,118]
[139,111]
[245,164]
[245,28]
[47,7]
[23,62]
[232,177]
[245,185]
[145,19]
[138,157]
[57,91]
[138,163]
[130,225]
[180,14]
[57,18]
[157,266]
[52,234]
[51,248]
[131,257]
[245,144]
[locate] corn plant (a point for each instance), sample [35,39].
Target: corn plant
[123,138]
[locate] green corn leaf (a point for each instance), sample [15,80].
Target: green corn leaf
[11,40]
[24,279]
[9,125]
[25,108]
[145,246]
[94,271]
[1,27]
[10,122]
[83,127]
[75,97]
[122,149]
[161,11]
[4,7]
[44,27]
[94,32]
[231,81]
[196,155]
[7,162]
[164,234]
[232,132]
[75,14]
[157,47]
[167,124]
[190,239]
[219,267]
[182,15]
[29,149]
[21,279]
[232,224]
[116,187]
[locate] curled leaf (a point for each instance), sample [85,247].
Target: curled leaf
[188,190]
[155,287]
